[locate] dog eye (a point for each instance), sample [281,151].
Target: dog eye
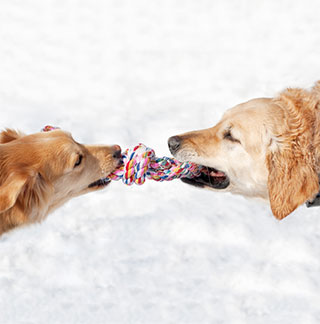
[228,136]
[80,157]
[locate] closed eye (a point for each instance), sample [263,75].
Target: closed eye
[79,160]
[228,136]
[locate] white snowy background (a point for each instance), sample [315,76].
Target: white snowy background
[129,71]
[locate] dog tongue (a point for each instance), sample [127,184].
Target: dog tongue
[217,174]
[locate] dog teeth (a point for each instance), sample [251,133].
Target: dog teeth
[217,174]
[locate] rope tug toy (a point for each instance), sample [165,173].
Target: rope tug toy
[141,163]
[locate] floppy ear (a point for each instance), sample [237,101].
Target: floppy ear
[10,190]
[291,182]
[9,135]
[292,171]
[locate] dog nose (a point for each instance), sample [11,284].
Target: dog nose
[117,152]
[174,143]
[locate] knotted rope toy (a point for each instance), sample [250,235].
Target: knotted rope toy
[141,163]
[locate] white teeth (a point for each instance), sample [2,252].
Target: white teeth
[217,174]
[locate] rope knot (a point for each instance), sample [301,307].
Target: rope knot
[140,163]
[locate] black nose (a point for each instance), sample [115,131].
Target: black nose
[117,152]
[174,143]
[117,155]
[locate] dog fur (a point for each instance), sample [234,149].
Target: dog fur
[40,172]
[269,148]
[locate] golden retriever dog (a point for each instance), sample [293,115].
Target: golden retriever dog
[40,172]
[266,148]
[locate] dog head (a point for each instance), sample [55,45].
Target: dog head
[264,148]
[39,172]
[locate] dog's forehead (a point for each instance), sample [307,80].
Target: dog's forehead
[54,136]
[55,142]
[253,111]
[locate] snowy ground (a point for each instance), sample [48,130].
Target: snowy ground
[122,71]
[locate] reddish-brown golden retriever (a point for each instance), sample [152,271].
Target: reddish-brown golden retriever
[40,172]
[267,148]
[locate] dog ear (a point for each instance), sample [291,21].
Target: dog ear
[10,190]
[9,135]
[292,176]
[291,182]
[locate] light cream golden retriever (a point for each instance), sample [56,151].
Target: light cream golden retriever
[40,172]
[266,148]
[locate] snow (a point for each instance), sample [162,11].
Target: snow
[121,71]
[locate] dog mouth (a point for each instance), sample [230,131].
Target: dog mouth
[209,177]
[103,182]
[100,183]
